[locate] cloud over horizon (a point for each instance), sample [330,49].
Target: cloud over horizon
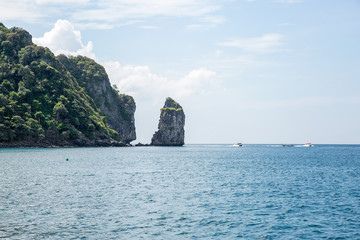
[16,9]
[263,44]
[107,14]
[114,10]
[140,82]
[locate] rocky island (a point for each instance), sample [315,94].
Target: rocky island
[48,100]
[171,125]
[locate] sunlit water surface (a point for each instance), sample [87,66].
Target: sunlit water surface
[190,192]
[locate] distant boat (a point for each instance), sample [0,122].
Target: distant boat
[287,145]
[238,145]
[308,145]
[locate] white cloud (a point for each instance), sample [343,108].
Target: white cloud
[106,14]
[264,44]
[299,102]
[100,26]
[218,53]
[15,10]
[214,20]
[195,26]
[64,39]
[35,10]
[114,10]
[144,85]
[138,81]
[207,22]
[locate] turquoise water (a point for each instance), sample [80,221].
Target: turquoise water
[190,192]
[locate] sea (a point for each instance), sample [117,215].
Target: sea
[190,192]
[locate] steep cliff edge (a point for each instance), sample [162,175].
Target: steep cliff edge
[118,108]
[171,125]
[43,104]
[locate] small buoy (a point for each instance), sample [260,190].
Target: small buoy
[67,159]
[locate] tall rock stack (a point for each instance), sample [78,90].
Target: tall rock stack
[171,125]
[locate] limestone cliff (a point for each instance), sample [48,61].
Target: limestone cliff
[57,101]
[171,125]
[119,108]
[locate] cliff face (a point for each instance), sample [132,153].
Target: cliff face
[171,125]
[43,103]
[119,109]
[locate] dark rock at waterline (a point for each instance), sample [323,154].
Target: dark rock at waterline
[142,145]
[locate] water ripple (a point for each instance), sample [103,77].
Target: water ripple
[198,191]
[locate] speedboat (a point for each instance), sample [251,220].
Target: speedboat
[238,145]
[308,145]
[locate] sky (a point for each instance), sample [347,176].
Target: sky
[250,71]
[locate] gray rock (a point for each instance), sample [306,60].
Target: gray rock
[142,145]
[119,109]
[171,125]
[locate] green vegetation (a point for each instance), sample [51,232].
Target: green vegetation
[171,109]
[166,109]
[41,98]
[170,105]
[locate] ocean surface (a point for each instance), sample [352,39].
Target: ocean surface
[190,192]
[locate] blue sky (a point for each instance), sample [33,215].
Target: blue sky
[276,71]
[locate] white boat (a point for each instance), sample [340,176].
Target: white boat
[238,145]
[308,144]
